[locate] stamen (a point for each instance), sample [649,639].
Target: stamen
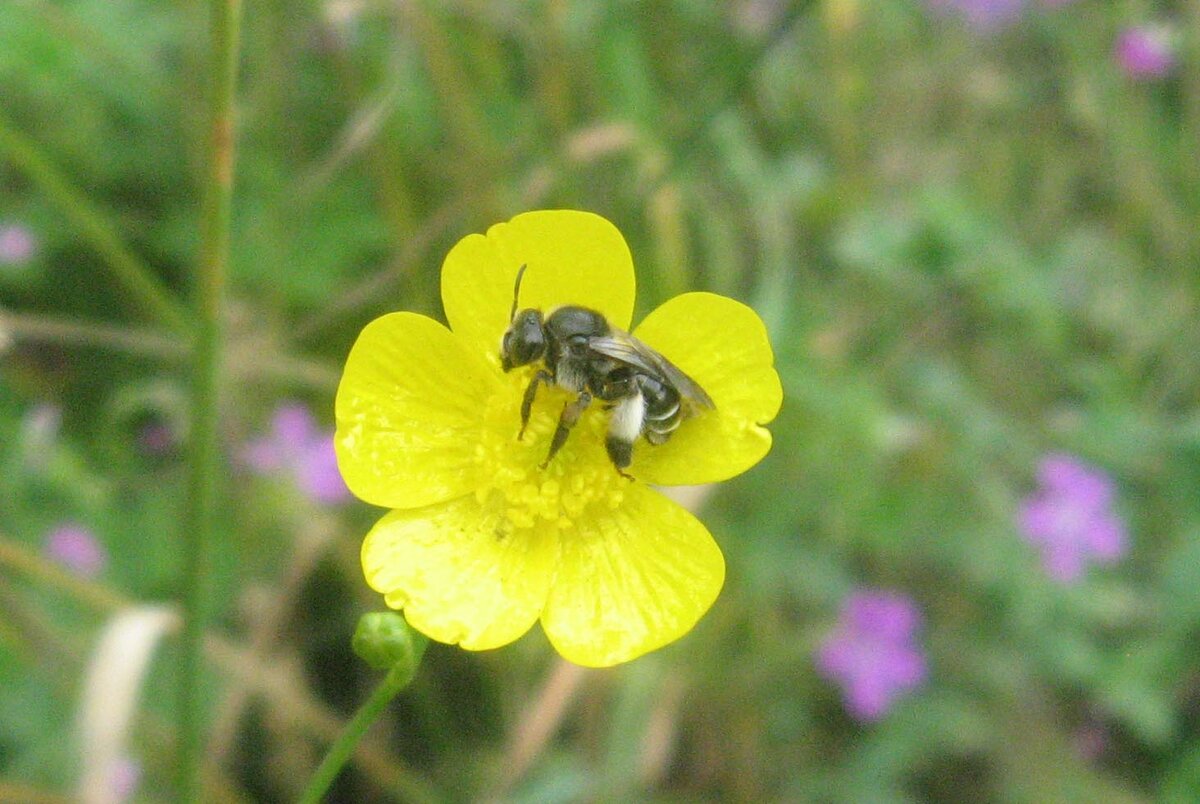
[523,495]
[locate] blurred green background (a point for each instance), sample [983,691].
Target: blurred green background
[973,244]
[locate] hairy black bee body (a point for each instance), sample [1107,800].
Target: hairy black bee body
[568,332]
[582,353]
[663,411]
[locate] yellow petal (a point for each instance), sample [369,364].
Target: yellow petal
[721,344]
[572,258]
[409,413]
[457,577]
[631,582]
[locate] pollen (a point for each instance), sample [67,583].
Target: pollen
[579,481]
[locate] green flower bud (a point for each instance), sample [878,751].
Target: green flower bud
[386,642]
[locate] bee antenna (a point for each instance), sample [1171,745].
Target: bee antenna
[516,292]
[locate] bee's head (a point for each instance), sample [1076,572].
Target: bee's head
[525,340]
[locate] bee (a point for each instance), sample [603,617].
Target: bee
[579,351]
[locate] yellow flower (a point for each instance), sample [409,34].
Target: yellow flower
[482,542]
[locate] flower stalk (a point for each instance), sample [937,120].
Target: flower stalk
[198,531]
[339,753]
[382,639]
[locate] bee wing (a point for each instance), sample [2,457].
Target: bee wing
[624,347]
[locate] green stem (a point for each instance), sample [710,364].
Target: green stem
[198,536]
[251,366]
[66,332]
[339,753]
[50,575]
[134,276]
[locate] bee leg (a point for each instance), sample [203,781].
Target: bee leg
[570,414]
[530,393]
[620,453]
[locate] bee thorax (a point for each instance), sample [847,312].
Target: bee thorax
[570,376]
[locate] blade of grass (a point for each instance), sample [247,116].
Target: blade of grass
[54,576]
[198,531]
[134,276]
[67,332]
[248,363]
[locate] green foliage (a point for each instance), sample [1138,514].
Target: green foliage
[971,249]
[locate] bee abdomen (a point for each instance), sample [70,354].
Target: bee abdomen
[666,414]
[663,412]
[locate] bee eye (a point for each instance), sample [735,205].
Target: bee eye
[524,342]
[530,345]
[506,352]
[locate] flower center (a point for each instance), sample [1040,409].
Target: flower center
[524,495]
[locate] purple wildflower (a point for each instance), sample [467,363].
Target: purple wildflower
[77,549]
[1144,52]
[17,244]
[988,15]
[156,438]
[982,15]
[297,447]
[872,653]
[1070,518]
[1091,740]
[125,775]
